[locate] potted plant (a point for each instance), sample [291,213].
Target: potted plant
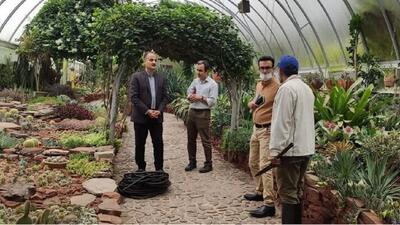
[389,78]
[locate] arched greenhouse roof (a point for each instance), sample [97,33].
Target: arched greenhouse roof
[316,31]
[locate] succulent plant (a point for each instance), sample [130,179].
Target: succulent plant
[31,143]
[29,118]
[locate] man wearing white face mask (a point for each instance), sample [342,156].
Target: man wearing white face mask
[261,107]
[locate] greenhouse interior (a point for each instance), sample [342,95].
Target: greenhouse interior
[293,105]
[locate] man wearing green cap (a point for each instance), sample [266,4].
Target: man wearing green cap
[292,122]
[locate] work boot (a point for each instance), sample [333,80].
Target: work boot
[253,197]
[206,168]
[190,167]
[291,213]
[263,211]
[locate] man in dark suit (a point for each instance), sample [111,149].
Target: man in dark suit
[148,92]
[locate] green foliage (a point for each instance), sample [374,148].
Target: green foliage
[237,140]
[69,141]
[177,82]
[7,74]
[7,141]
[370,70]
[179,32]
[46,101]
[385,145]
[341,172]
[81,164]
[220,116]
[344,105]
[62,28]
[380,183]
[25,219]
[180,106]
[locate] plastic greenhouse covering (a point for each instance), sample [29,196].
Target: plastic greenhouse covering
[314,30]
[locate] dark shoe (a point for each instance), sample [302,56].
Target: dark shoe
[253,197]
[207,168]
[263,211]
[140,170]
[190,167]
[291,213]
[160,170]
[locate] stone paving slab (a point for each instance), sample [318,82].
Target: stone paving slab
[215,197]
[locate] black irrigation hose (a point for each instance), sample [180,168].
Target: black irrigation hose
[141,185]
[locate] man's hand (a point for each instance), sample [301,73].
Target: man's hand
[153,113]
[275,161]
[195,98]
[252,105]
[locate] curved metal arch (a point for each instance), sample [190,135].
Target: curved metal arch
[363,39]
[235,18]
[389,26]
[281,27]
[315,33]
[243,23]
[301,34]
[23,20]
[269,28]
[11,14]
[334,30]
[2,1]
[259,30]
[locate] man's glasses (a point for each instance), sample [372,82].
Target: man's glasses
[265,67]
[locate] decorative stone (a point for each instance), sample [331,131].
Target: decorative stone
[39,158]
[370,218]
[82,200]
[9,151]
[109,219]
[113,196]
[18,135]
[18,192]
[311,180]
[30,151]
[44,112]
[52,201]
[354,202]
[103,174]
[9,204]
[56,152]
[110,207]
[11,157]
[107,148]
[7,125]
[98,186]
[89,150]
[107,156]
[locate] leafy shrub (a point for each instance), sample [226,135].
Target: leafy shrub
[180,106]
[340,104]
[385,145]
[77,140]
[380,183]
[220,116]
[59,89]
[7,73]
[340,173]
[74,111]
[46,100]
[6,141]
[81,164]
[237,140]
[72,141]
[13,94]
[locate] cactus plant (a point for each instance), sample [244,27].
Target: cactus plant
[25,219]
[31,143]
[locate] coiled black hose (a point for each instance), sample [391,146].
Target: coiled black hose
[141,185]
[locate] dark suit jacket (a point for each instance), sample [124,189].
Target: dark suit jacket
[140,95]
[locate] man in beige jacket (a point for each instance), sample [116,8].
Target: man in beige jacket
[261,105]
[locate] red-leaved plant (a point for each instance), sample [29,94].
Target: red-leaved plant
[74,111]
